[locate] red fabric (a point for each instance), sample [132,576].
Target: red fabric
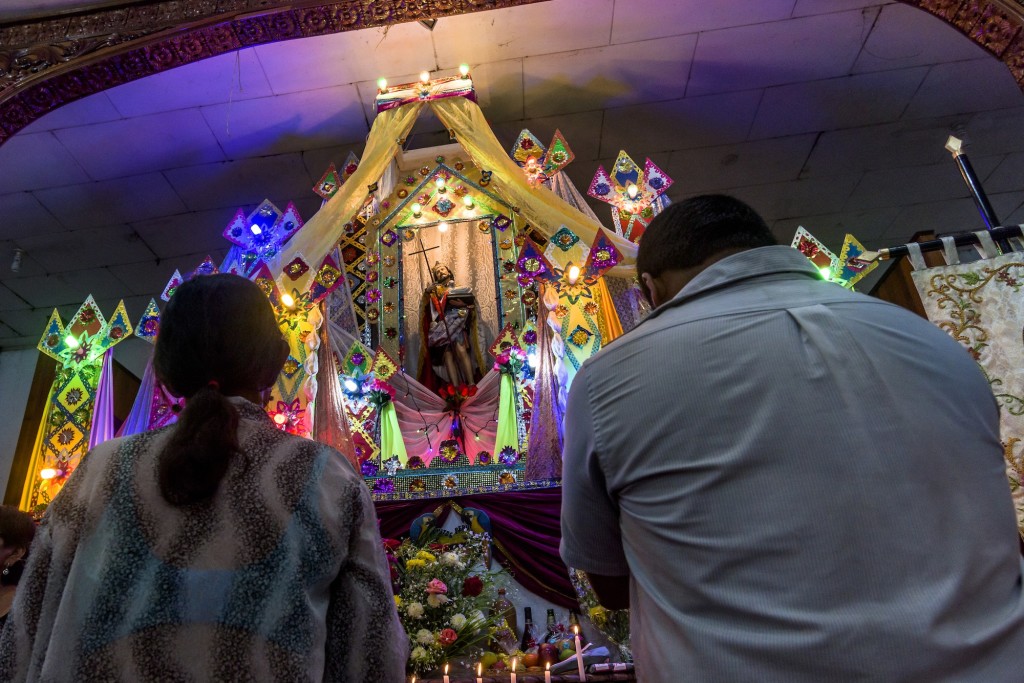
[526,527]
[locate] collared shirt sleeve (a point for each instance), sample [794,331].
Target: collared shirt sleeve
[591,537]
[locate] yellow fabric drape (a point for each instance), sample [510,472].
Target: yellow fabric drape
[540,207]
[611,326]
[320,235]
[35,464]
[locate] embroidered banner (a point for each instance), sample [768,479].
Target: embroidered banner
[981,305]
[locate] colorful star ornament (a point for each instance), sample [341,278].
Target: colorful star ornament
[67,422]
[532,265]
[163,405]
[540,163]
[356,364]
[603,256]
[261,234]
[810,246]
[632,192]
[852,269]
[332,179]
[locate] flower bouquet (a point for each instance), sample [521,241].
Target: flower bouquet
[510,361]
[614,624]
[443,594]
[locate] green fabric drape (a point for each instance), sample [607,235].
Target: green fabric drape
[508,430]
[391,443]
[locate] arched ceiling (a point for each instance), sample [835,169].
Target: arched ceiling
[827,113]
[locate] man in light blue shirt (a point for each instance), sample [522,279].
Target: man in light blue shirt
[788,481]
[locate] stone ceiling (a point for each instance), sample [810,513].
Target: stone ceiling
[830,114]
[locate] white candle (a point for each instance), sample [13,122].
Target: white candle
[446,674]
[579,654]
[514,662]
[547,673]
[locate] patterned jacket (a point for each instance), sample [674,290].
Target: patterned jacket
[279,577]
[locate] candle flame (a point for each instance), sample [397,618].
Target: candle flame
[514,661]
[446,669]
[575,629]
[479,668]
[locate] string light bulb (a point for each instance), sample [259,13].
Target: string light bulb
[49,473]
[440,182]
[280,418]
[442,226]
[425,77]
[574,274]
[382,84]
[351,385]
[826,273]
[288,300]
[71,342]
[468,201]
[256,230]
[632,190]
[464,70]
[417,210]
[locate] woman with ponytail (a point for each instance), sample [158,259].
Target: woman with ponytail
[218,548]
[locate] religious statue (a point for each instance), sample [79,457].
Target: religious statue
[450,352]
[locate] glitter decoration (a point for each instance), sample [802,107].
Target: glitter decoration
[506,478]
[372,295]
[372,276]
[408,235]
[392,465]
[390,282]
[368,468]
[417,485]
[451,482]
[425,171]
[508,456]
[565,239]
[402,193]
[415,463]
[372,315]
[505,244]
[448,451]
[382,486]
[529,297]
[444,206]
[561,311]
[372,258]
[501,223]
[459,166]
[580,336]
[483,457]
[391,333]
[296,269]
[389,307]
[530,336]
[590,308]
[484,227]
[511,294]
[389,238]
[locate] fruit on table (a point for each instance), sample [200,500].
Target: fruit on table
[566,653]
[531,659]
[548,654]
[489,659]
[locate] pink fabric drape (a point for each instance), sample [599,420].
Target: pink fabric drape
[330,423]
[103,408]
[426,421]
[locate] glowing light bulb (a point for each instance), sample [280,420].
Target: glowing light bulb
[351,385]
[574,274]
[71,341]
[442,226]
[382,84]
[468,201]
[826,273]
[280,418]
[632,190]
[440,181]
[49,473]
[288,300]
[417,210]
[425,77]
[532,360]
[464,70]
[256,230]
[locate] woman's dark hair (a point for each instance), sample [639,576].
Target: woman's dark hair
[17,529]
[688,233]
[218,337]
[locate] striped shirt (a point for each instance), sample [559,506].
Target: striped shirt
[280,577]
[803,483]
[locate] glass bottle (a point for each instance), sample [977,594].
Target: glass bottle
[504,607]
[529,641]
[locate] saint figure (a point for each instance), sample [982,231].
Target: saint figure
[449,348]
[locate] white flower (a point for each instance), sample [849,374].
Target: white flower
[415,610]
[424,637]
[418,653]
[478,616]
[436,599]
[452,560]
[458,621]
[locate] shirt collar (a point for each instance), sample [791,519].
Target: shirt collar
[247,410]
[746,265]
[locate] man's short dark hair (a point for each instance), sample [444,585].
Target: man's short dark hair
[688,233]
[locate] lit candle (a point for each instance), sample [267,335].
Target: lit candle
[479,670]
[547,673]
[446,674]
[579,654]
[514,661]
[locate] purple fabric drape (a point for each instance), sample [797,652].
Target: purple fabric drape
[138,419]
[526,528]
[103,408]
[544,457]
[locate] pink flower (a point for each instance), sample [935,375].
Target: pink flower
[436,586]
[447,636]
